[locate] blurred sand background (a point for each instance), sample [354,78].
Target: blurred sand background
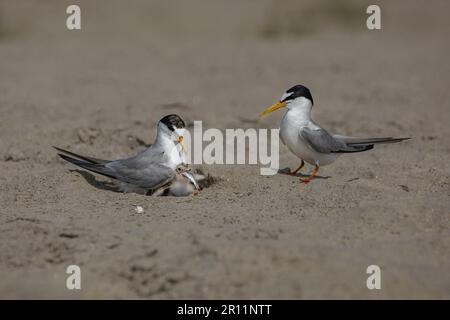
[101,90]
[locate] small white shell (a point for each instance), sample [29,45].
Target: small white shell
[139,209]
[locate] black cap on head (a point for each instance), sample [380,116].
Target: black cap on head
[299,91]
[173,121]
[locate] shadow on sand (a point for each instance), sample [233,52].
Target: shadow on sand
[92,180]
[284,172]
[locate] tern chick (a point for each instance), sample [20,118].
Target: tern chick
[183,185]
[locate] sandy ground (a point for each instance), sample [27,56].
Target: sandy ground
[101,90]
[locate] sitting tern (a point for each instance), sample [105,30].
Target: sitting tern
[156,167]
[307,140]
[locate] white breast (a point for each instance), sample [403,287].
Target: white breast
[176,155]
[290,127]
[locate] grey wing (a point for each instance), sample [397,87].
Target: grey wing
[143,170]
[356,141]
[152,177]
[321,141]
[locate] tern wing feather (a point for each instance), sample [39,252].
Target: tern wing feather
[355,141]
[94,167]
[142,170]
[143,159]
[78,156]
[149,175]
[321,141]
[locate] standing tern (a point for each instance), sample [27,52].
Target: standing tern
[156,167]
[307,140]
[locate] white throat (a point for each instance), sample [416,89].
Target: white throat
[300,109]
[172,149]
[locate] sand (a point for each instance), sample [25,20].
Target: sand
[101,90]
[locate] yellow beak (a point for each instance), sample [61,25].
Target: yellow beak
[181,141]
[276,106]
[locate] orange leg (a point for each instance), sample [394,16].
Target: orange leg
[313,174]
[294,173]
